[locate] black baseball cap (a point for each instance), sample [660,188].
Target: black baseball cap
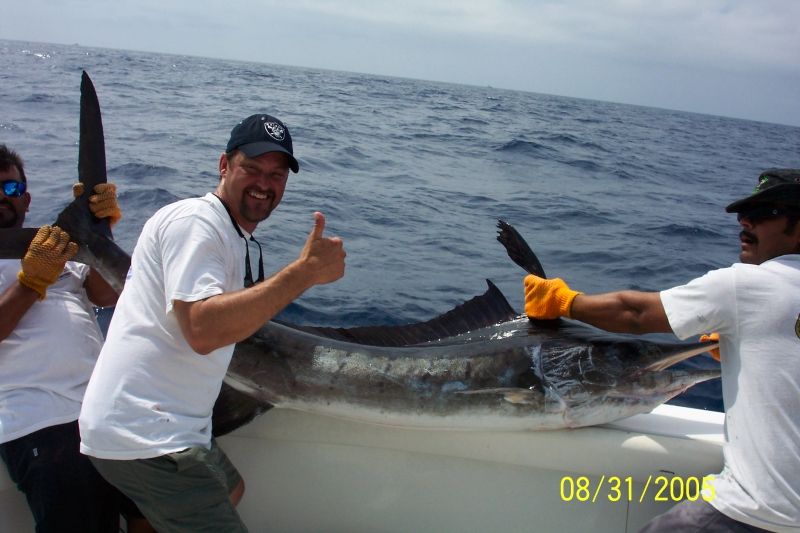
[775,186]
[259,134]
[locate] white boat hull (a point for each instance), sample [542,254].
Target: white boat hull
[306,472]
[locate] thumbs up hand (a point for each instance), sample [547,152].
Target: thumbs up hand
[323,256]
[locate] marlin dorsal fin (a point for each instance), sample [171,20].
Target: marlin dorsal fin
[485,310]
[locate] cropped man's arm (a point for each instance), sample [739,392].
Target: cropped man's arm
[99,291]
[622,312]
[41,266]
[14,303]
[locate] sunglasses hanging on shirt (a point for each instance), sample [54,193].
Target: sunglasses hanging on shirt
[248,273]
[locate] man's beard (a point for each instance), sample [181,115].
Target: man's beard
[254,216]
[9,218]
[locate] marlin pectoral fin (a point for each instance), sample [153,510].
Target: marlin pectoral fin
[518,250]
[681,353]
[510,394]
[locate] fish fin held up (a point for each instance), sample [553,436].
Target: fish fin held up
[91,171]
[482,311]
[518,250]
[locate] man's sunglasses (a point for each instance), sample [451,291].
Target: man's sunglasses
[765,212]
[14,188]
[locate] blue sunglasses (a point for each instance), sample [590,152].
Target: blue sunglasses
[14,188]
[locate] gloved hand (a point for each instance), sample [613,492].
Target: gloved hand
[547,298]
[44,261]
[711,337]
[103,204]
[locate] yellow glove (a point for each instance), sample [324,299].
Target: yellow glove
[104,203]
[548,298]
[44,261]
[711,337]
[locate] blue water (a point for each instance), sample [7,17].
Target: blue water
[411,174]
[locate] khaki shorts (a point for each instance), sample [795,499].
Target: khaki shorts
[182,491]
[697,516]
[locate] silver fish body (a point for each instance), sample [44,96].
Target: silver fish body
[508,376]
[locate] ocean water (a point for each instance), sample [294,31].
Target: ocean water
[411,174]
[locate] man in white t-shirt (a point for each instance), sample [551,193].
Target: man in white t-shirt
[49,341]
[754,306]
[189,297]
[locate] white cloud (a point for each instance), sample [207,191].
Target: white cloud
[727,33]
[700,55]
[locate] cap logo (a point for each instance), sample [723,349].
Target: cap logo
[275,130]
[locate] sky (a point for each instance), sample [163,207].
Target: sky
[735,58]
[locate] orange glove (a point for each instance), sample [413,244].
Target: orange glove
[44,261]
[547,298]
[712,337]
[104,203]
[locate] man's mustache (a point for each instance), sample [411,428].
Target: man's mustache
[747,236]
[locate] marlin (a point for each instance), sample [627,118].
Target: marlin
[480,366]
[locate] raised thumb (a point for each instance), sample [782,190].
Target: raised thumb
[319,226]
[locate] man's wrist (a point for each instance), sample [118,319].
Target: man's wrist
[35,286]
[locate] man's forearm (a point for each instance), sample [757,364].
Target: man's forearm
[231,317]
[98,290]
[622,312]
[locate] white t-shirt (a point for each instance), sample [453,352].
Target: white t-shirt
[46,361]
[756,310]
[150,393]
